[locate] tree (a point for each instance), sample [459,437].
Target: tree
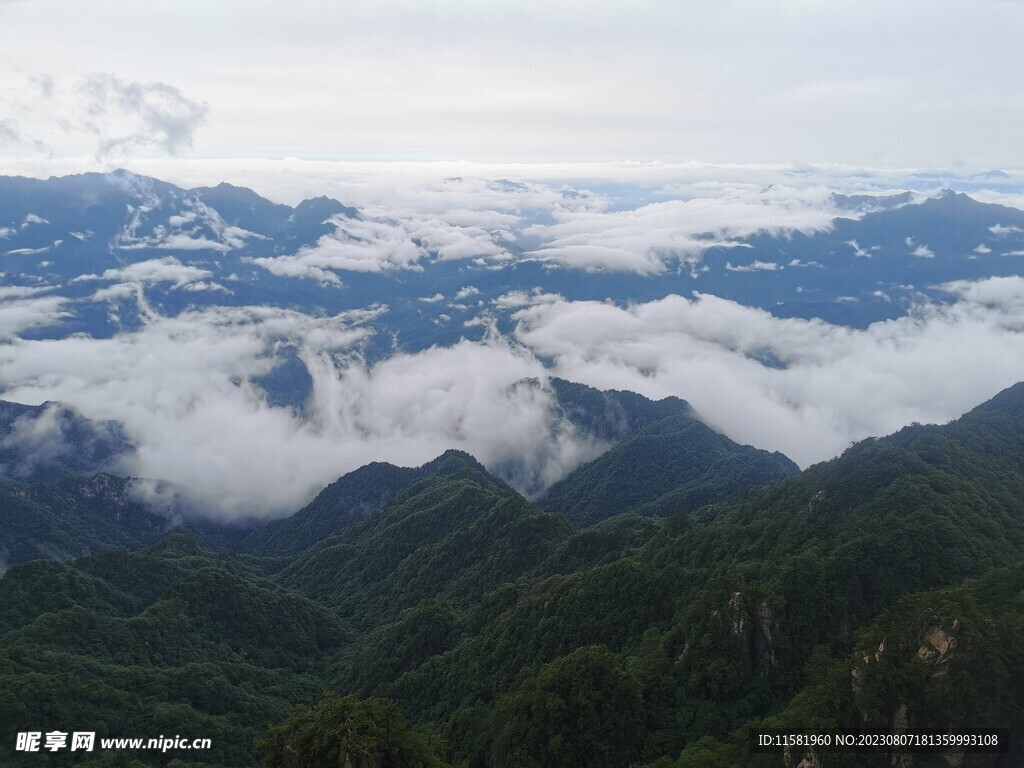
[349,733]
[581,710]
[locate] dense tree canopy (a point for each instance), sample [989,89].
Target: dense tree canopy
[882,587]
[349,733]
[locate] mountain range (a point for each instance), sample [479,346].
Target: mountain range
[880,591]
[94,239]
[199,536]
[70,505]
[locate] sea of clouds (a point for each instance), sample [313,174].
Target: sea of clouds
[185,387]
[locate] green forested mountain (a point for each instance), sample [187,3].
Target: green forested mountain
[52,509]
[608,416]
[78,515]
[880,589]
[941,659]
[169,641]
[459,533]
[369,733]
[676,464]
[613,415]
[347,500]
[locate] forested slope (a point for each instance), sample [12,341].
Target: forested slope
[676,464]
[880,588]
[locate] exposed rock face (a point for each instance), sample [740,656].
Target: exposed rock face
[764,652]
[937,644]
[816,501]
[755,628]
[808,759]
[683,653]
[736,617]
[103,486]
[857,677]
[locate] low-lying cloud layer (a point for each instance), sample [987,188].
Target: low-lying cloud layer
[560,225]
[803,387]
[186,387]
[183,388]
[380,245]
[648,239]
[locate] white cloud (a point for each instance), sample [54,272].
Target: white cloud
[517,299]
[186,231]
[466,291]
[757,266]
[513,300]
[919,250]
[116,292]
[100,113]
[164,270]
[39,438]
[929,366]
[1001,231]
[393,240]
[28,251]
[1005,293]
[130,115]
[857,250]
[664,100]
[355,245]
[293,267]
[594,258]
[8,292]
[22,314]
[432,299]
[982,249]
[182,386]
[206,285]
[452,242]
[650,238]
[175,242]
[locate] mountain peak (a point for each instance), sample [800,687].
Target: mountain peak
[324,206]
[451,462]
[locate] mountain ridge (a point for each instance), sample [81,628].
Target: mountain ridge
[473,611]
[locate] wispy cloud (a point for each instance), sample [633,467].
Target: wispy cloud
[127,115]
[152,271]
[21,314]
[387,243]
[113,116]
[919,250]
[756,266]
